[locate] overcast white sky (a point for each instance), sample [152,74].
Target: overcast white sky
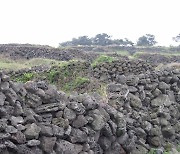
[53,21]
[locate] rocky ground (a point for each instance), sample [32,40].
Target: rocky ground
[138,113]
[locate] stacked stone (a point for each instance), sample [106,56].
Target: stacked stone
[150,104]
[37,119]
[143,112]
[27,51]
[159,58]
[112,71]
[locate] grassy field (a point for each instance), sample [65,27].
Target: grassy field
[7,64]
[137,54]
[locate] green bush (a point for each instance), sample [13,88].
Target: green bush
[77,83]
[25,77]
[178,148]
[152,151]
[102,59]
[52,75]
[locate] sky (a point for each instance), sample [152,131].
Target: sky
[49,22]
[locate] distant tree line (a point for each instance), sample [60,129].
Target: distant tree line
[105,39]
[100,39]
[177,38]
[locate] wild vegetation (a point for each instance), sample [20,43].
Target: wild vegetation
[122,78]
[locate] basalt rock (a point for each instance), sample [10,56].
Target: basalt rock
[142,112]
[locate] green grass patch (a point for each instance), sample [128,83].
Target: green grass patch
[42,61]
[25,77]
[52,75]
[152,151]
[102,59]
[178,148]
[11,66]
[8,64]
[168,54]
[75,84]
[137,54]
[102,90]
[123,53]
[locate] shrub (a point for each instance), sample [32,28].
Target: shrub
[77,83]
[52,75]
[102,59]
[25,77]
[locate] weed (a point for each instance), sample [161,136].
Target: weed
[178,148]
[25,77]
[74,84]
[41,61]
[123,53]
[102,90]
[152,151]
[102,59]
[52,75]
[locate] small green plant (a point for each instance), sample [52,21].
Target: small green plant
[25,77]
[123,53]
[102,90]
[102,59]
[77,83]
[52,75]
[152,151]
[178,148]
[168,147]
[42,61]
[167,152]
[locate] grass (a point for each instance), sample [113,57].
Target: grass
[178,148]
[152,151]
[137,54]
[42,61]
[25,77]
[120,52]
[102,90]
[75,84]
[52,75]
[102,59]
[8,64]
[123,53]
[11,66]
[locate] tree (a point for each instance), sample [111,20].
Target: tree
[146,40]
[127,42]
[177,38]
[64,44]
[122,42]
[82,40]
[102,39]
[118,42]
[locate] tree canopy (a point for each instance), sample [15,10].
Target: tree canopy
[100,39]
[177,38]
[146,40]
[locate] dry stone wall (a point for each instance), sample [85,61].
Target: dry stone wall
[26,51]
[158,58]
[116,70]
[142,112]
[151,107]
